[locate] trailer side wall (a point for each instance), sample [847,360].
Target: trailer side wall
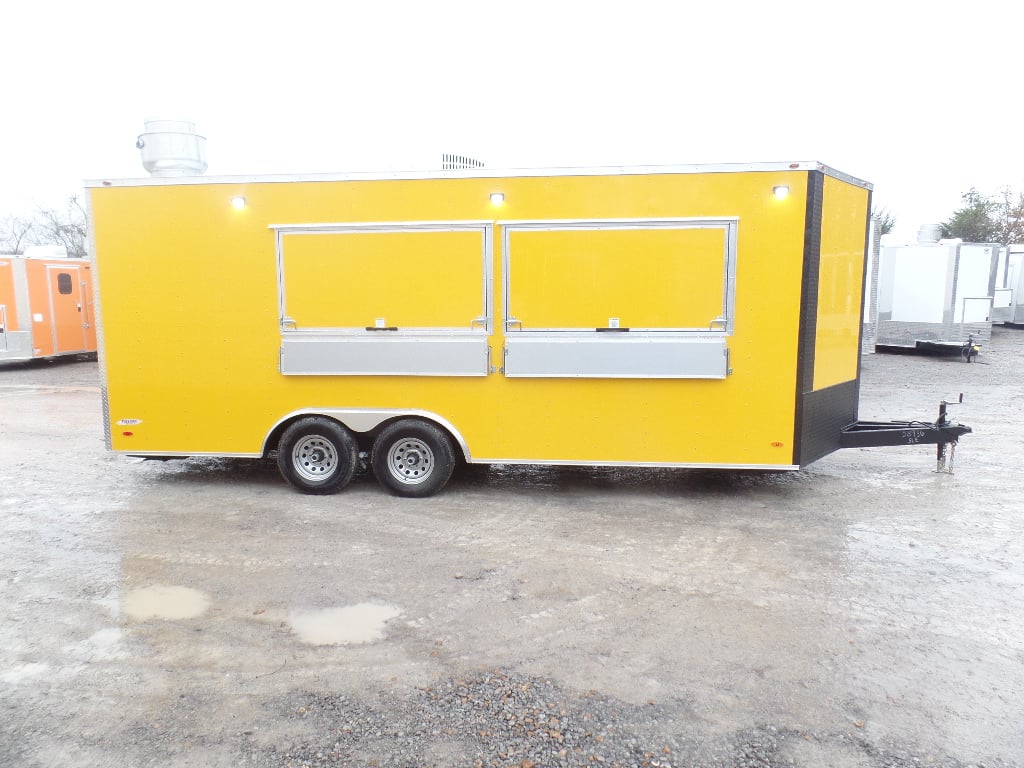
[193,341]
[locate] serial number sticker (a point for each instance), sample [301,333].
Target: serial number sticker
[913,436]
[128,422]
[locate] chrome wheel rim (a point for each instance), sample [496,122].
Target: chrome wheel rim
[315,458]
[410,461]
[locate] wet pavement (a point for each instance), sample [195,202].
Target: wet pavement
[863,612]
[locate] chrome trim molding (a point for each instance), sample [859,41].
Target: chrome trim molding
[372,227]
[728,224]
[829,171]
[480,173]
[187,454]
[665,222]
[366,419]
[108,437]
[651,464]
[97,316]
[484,228]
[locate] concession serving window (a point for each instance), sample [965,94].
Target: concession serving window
[636,298]
[408,299]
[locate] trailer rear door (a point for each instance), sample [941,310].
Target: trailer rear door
[67,308]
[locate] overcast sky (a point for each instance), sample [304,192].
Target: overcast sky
[923,99]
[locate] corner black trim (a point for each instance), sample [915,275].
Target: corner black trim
[826,412]
[808,330]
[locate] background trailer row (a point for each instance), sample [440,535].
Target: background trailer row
[46,305]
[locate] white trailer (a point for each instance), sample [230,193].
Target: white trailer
[936,294]
[1008,306]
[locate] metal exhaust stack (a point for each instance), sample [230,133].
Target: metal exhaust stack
[929,233]
[172,148]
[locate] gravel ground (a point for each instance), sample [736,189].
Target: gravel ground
[864,612]
[498,719]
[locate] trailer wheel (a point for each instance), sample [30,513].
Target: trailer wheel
[317,455]
[413,458]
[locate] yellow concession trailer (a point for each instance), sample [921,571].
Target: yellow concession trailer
[691,316]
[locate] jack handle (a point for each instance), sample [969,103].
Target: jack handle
[944,452]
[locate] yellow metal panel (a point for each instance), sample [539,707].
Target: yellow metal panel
[648,278]
[411,279]
[190,315]
[840,283]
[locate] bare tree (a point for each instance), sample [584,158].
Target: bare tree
[15,234]
[48,226]
[68,227]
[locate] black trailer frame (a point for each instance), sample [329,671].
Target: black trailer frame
[942,433]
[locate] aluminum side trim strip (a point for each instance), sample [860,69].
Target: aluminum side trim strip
[651,464]
[187,454]
[611,170]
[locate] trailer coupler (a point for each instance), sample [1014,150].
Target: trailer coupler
[942,433]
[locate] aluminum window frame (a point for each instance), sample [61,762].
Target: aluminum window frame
[482,324]
[728,224]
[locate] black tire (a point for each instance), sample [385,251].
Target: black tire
[412,458]
[317,455]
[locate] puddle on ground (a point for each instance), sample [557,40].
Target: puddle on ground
[348,625]
[165,603]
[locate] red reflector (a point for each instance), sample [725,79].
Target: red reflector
[127,434]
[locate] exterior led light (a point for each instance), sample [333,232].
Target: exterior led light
[781,192]
[497,198]
[238,202]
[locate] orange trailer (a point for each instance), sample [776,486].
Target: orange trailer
[46,305]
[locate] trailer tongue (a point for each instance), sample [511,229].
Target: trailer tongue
[942,433]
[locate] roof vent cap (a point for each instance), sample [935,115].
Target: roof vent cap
[172,148]
[929,233]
